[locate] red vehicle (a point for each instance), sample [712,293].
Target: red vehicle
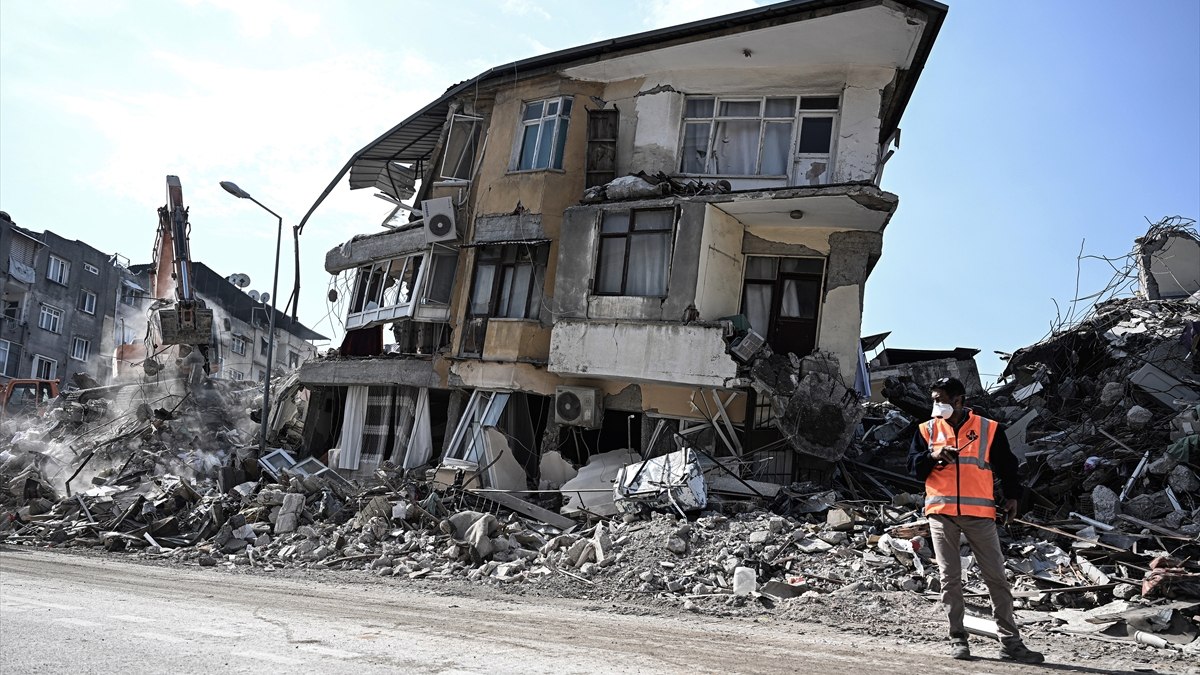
[25,397]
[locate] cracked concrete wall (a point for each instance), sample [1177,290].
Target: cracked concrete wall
[659,111]
[851,255]
[857,147]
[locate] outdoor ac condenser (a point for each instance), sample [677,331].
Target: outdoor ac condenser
[579,406]
[745,348]
[439,219]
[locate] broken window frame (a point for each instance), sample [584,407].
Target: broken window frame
[791,156]
[459,151]
[814,111]
[236,375]
[507,263]
[91,269]
[237,345]
[370,287]
[50,318]
[535,119]
[12,309]
[630,236]
[433,306]
[484,409]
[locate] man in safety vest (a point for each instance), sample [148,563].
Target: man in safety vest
[956,454]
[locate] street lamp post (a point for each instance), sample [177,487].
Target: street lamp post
[236,191]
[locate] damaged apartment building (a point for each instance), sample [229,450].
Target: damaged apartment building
[602,239]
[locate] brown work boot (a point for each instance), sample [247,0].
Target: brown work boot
[1017,651]
[959,649]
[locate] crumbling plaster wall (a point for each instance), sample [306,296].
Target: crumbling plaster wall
[851,257]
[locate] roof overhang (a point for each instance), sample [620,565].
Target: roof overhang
[867,35]
[416,138]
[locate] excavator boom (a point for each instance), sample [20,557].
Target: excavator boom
[187,321]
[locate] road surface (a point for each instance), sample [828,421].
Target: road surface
[62,612]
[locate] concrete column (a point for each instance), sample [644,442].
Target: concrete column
[851,255]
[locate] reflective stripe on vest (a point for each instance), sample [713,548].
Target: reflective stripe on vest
[965,501]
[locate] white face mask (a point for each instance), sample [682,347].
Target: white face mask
[943,410]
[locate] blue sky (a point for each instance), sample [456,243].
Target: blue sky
[1036,127]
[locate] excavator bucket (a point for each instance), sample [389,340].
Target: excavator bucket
[185,326]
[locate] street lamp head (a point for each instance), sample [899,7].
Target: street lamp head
[234,190]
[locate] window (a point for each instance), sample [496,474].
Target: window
[44,368]
[264,345]
[238,345]
[508,281]
[543,134]
[12,309]
[635,252]
[81,349]
[91,269]
[461,146]
[781,297]
[236,374]
[87,301]
[262,375]
[50,319]
[8,358]
[508,284]
[384,291]
[738,136]
[293,359]
[58,271]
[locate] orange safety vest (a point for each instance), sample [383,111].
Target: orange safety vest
[964,487]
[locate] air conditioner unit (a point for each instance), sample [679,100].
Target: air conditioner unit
[439,220]
[746,347]
[579,406]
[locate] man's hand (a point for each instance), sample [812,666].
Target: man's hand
[1010,509]
[944,454]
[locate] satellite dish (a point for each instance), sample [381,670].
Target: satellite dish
[242,280]
[264,298]
[254,295]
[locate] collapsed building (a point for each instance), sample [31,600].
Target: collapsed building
[626,247]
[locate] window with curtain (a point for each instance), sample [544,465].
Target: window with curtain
[543,135]
[508,281]
[781,298]
[753,136]
[635,252]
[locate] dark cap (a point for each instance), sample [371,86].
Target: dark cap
[950,385]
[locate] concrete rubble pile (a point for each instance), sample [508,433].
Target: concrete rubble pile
[1104,415]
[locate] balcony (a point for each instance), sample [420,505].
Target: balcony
[664,352]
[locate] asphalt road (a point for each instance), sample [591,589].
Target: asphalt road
[69,613]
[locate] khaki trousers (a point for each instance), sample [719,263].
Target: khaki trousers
[985,544]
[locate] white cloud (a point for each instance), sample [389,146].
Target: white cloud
[257,18]
[524,8]
[674,12]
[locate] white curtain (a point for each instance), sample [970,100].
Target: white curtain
[420,442]
[352,428]
[736,147]
[758,307]
[649,255]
